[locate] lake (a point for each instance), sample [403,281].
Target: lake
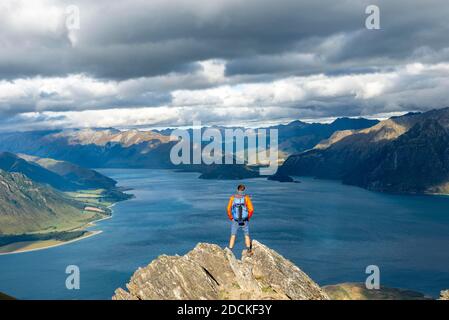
[331,231]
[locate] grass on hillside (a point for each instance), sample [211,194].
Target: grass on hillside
[68,227]
[98,197]
[5,297]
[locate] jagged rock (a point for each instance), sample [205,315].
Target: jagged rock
[444,295]
[121,294]
[273,271]
[212,273]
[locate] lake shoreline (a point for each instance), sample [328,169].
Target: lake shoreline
[45,244]
[31,246]
[332,231]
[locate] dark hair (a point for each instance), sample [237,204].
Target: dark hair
[241,187]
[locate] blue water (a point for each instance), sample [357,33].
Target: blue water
[333,232]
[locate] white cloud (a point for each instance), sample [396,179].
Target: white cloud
[219,61]
[396,90]
[213,70]
[31,23]
[356,88]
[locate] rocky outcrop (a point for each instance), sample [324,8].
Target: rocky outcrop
[358,291]
[444,295]
[212,273]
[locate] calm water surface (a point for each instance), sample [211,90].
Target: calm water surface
[333,232]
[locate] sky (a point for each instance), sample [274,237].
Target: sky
[168,63]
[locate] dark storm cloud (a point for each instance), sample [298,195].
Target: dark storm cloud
[128,39]
[281,59]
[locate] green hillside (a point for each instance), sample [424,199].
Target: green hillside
[5,297]
[80,177]
[27,207]
[12,163]
[358,291]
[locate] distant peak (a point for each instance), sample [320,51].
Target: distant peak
[296,122]
[408,114]
[348,119]
[6,154]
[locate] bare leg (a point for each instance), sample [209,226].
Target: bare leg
[248,242]
[231,242]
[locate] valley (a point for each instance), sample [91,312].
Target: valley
[330,230]
[53,208]
[150,149]
[50,193]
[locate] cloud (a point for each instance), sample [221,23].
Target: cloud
[82,92]
[129,39]
[219,61]
[412,87]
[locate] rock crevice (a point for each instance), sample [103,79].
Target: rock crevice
[212,273]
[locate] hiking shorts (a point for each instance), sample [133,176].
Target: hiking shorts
[235,226]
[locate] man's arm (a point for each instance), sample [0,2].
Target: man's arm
[229,208]
[250,207]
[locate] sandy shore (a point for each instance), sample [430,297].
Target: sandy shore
[29,246]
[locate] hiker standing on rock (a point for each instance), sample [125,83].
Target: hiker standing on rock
[240,210]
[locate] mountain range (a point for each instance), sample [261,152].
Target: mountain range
[42,171]
[93,148]
[405,154]
[299,136]
[111,148]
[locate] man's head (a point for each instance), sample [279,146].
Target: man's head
[241,188]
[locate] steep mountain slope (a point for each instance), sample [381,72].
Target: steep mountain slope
[61,175]
[417,161]
[26,206]
[81,177]
[12,163]
[402,154]
[5,297]
[211,273]
[299,136]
